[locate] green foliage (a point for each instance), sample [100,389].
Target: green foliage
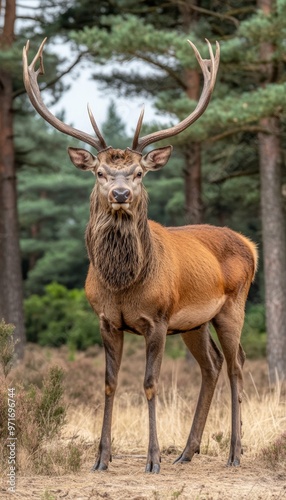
[165,189]
[175,348]
[254,332]
[61,316]
[7,346]
[83,13]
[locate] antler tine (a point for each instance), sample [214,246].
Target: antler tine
[38,56]
[209,68]
[138,129]
[95,127]
[214,60]
[30,76]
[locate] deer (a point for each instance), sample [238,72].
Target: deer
[155,281]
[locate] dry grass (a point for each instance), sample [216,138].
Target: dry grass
[264,418]
[264,408]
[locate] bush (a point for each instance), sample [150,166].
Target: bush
[254,332]
[275,453]
[7,346]
[34,417]
[61,316]
[39,417]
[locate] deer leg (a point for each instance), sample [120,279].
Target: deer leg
[228,324]
[113,345]
[210,359]
[155,343]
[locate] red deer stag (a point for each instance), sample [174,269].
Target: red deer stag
[155,281]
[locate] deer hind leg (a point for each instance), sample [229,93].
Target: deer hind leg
[228,324]
[155,338]
[210,359]
[113,344]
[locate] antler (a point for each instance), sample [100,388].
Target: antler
[33,91]
[209,68]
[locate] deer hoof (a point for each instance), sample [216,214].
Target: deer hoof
[233,463]
[99,466]
[152,468]
[181,460]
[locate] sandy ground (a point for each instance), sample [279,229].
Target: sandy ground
[204,478]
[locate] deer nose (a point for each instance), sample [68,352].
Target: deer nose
[121,195]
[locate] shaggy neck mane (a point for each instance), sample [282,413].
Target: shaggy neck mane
[119,243]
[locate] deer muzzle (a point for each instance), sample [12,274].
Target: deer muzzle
[120,198]
[121,195]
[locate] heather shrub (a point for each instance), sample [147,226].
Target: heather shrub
[275,453]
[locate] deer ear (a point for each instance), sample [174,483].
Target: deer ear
[82,159]
[156,159]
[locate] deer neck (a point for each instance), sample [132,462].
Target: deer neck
[119,244]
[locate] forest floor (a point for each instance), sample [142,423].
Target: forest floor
[206,477]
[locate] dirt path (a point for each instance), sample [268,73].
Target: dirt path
[205,478]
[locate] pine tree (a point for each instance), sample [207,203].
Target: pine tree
[11,308]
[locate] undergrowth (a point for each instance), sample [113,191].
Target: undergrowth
[40,414]
[274,454]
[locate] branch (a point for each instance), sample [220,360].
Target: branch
[240,173]
[215,14]
[30,18]
[168,70]
[22,91]
[26,7]
[250,128]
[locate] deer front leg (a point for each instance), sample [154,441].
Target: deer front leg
[113,344]
[155,343]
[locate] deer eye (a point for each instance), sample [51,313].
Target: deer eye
[139,174]
[99,174]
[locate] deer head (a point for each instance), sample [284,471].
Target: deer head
[119,172]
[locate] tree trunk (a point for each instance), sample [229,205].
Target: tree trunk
[11,295]
[192,153]
[273,225]
[274,247]
[193,184]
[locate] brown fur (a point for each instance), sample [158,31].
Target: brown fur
[118,158]
[119,244]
